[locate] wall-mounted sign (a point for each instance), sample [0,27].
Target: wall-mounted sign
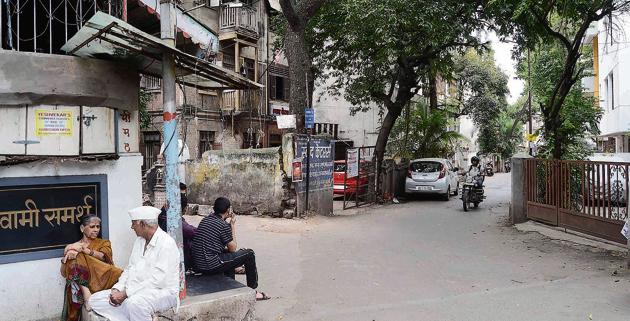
[53,122]
[285,121]
[45,214]
[309,118]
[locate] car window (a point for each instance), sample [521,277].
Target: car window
[426,167]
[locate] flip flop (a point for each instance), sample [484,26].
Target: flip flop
[264,296]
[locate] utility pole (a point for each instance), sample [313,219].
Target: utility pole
[171,139]
[529,101]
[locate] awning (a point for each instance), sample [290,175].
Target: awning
[107,37]
[186,24]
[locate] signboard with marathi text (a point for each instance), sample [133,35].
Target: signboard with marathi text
[42,214]
[353,163]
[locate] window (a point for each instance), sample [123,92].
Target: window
[151,148]
[150,83]
[609,83]
[275,140]
[279,88]
[206,139]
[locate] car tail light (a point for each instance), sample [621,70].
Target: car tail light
[442,173]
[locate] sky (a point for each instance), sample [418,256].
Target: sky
[503,59]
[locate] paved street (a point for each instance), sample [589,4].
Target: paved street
[428,260]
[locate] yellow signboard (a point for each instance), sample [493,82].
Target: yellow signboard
[53,122]
[531,137]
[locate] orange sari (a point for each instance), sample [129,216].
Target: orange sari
[90,272]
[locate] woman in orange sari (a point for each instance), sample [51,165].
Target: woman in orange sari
[88,267]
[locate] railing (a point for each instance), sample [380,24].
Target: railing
[242,100]
[150,83]
[584,195]
[243,18]
[45,26]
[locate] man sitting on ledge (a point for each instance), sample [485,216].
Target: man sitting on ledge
[214,247]
[150,283]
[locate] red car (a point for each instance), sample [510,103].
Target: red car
[339,173]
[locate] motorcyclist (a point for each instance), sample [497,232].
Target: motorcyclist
[475,172]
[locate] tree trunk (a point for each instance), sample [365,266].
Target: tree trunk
[300,69]
[433,101]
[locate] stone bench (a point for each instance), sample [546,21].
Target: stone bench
[207,298]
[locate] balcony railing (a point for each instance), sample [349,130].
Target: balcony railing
[242,100]
[242,19]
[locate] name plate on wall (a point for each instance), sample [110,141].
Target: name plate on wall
[39,216]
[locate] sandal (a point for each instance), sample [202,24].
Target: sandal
[264,296]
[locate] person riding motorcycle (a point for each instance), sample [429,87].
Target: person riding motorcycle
[475,172]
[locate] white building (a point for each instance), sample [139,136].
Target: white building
[611,75]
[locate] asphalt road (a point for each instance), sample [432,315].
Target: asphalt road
[426,259]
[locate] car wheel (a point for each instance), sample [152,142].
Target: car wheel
[447,196]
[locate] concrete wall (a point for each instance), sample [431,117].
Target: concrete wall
[33,78]
[248,177]
[615,59]
[33,290]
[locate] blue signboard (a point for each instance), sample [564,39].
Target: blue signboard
[320,164]
[309,118]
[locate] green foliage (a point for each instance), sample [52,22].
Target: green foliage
[370,47]
[578,119]
[422,134]
[144,98]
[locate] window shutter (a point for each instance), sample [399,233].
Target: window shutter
[272,87]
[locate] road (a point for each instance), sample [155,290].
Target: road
[426,259]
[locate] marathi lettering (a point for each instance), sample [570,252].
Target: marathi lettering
[29,217]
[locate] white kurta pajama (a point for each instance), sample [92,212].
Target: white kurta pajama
[151,281]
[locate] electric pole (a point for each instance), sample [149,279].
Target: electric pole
[171,139]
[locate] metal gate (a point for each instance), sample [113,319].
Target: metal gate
[590,197]
[359,181]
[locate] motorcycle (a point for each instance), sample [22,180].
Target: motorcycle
[508,166]
[489,171]
[472,191]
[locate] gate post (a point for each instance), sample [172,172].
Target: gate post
[518,205]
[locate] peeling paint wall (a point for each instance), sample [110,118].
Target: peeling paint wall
[250,178]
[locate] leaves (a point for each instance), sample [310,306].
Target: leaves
[423,133]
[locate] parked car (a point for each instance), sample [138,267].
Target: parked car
[350,187]
[432,176]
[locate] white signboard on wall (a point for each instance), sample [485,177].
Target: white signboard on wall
[353,163]
[285,121]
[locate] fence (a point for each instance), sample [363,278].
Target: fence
[590,197]
[360,188]
[238,18]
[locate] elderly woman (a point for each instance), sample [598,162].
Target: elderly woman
[88,267]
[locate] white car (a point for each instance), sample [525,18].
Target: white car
[432,176]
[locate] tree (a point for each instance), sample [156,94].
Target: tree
[422,133]
[381,51]
[579,114]
[298,13]
[562,23]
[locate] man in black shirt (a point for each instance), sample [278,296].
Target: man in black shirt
[214,247]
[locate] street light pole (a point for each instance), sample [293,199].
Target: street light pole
[171,139]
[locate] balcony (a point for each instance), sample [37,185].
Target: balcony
[242,100]
[238,20]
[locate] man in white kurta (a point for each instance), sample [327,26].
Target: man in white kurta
[150,283]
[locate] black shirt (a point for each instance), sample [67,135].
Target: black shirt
[213,234]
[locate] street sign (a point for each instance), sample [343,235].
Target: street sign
[353,163]
[309,117]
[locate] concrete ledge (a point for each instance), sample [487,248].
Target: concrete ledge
[560,233]
[209,298]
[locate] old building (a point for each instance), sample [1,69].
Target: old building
[69,136]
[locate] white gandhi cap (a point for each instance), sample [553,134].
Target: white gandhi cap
[144,213]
